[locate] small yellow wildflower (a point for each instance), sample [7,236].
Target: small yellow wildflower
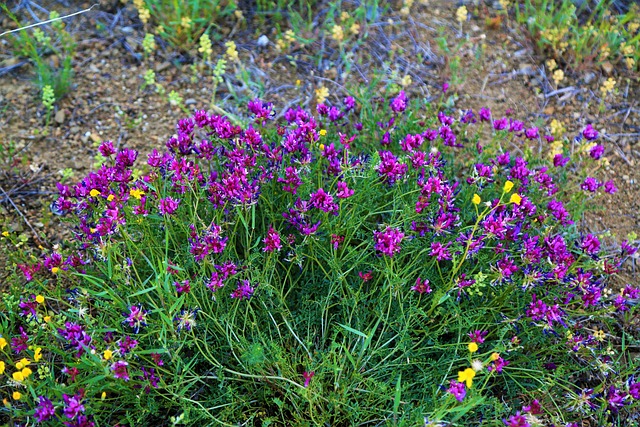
[508,186]
[17,376]
[24,362]
[205,46]
[557,128]
[551,64]
[321,94]
[406,81]
[322,132]
[47,319]
[290,36]
[337,34]
[321,146]
[107,354]
[136,193]
[144,15]
[185,22]
[110,197]
[515,198]
[37,355]
[298,82]
[466,376]
[461,14]
[473,347]
[16,395]
[40,299]
[55,270]
[630,62]
[5,233]
[558,76]
[3,343]
[26,372]
[232,52]
[94,193]
[494,356]
[476,199]
[608,86]
[355,29]
[103,395]
[2,367]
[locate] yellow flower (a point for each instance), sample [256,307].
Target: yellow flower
[185,22]
[205,46]
[16,395]
[461,14]
[476,199]
[337,34]
[37,355]
[144,15]
[232,52]
[473,347]
[608,86]
[26,372]
[321,147]
[17,376]
[406,81]
[47,319]
[2,367]
[103,395]
[55,270]
[3,343]
[551,64]
[630,62]
[508,186]
[494,356]
[321,94]
[94,193]
[355,29]
[107,354]
[24,361]
[5,233]
[466,376]
[322,132]
[558,76]
[298,82]
[515,198]
[110,197]
[40,299]
[137,194]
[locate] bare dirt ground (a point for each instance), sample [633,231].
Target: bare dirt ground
[498,69]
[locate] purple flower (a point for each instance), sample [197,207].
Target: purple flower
[45,410]
[560,161]
[484,114]
[323,201]
[349,103]
[243,291]
[517,420]
[597,151]
[168,205]
[127,344]
[457,389]
[126,158]
[390,168]
[120,370]
[478,336]
[399,103]
[445,87]
[590,244]
[634,390]
[272,241]
[610,187]
[307,377]
[73,405]
[291,180]
[388,241]
[76,337]
[616,399]
[440,251]
[182,287]
[532,133]
[500,124]
[106,148]
[590,184]
[590,133]
[421,286]
[186,320]
[497,365]
[344,192]
[136,317]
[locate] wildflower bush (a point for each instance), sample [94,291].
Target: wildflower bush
[373,263]
[577,37]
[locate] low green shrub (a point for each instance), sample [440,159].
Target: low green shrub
[298,273]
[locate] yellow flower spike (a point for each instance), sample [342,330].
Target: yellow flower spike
[3,343]
[476,199]
[94,193]
[103,395]
[16,395]
[508,186]
[107,354]
[2,367]
[473,347]
[17,376]
[40,299]
[515,198]
[37,355]
[26,372]
[55,270]
[466,376]
[461,14]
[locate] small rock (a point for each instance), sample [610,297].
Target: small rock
[74,130]
[589,77]
[95,138]
[549,110]
[263,41]
[163,66]
[607,68]
[528,69]
[85,138]
[59,117]
[625,177]
[190,101]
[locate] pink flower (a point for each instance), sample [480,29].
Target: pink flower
[307,377]
[120,370]
[168,206]
[388,241]
[272,241]
[344,192]
[458,390]
[421,286]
